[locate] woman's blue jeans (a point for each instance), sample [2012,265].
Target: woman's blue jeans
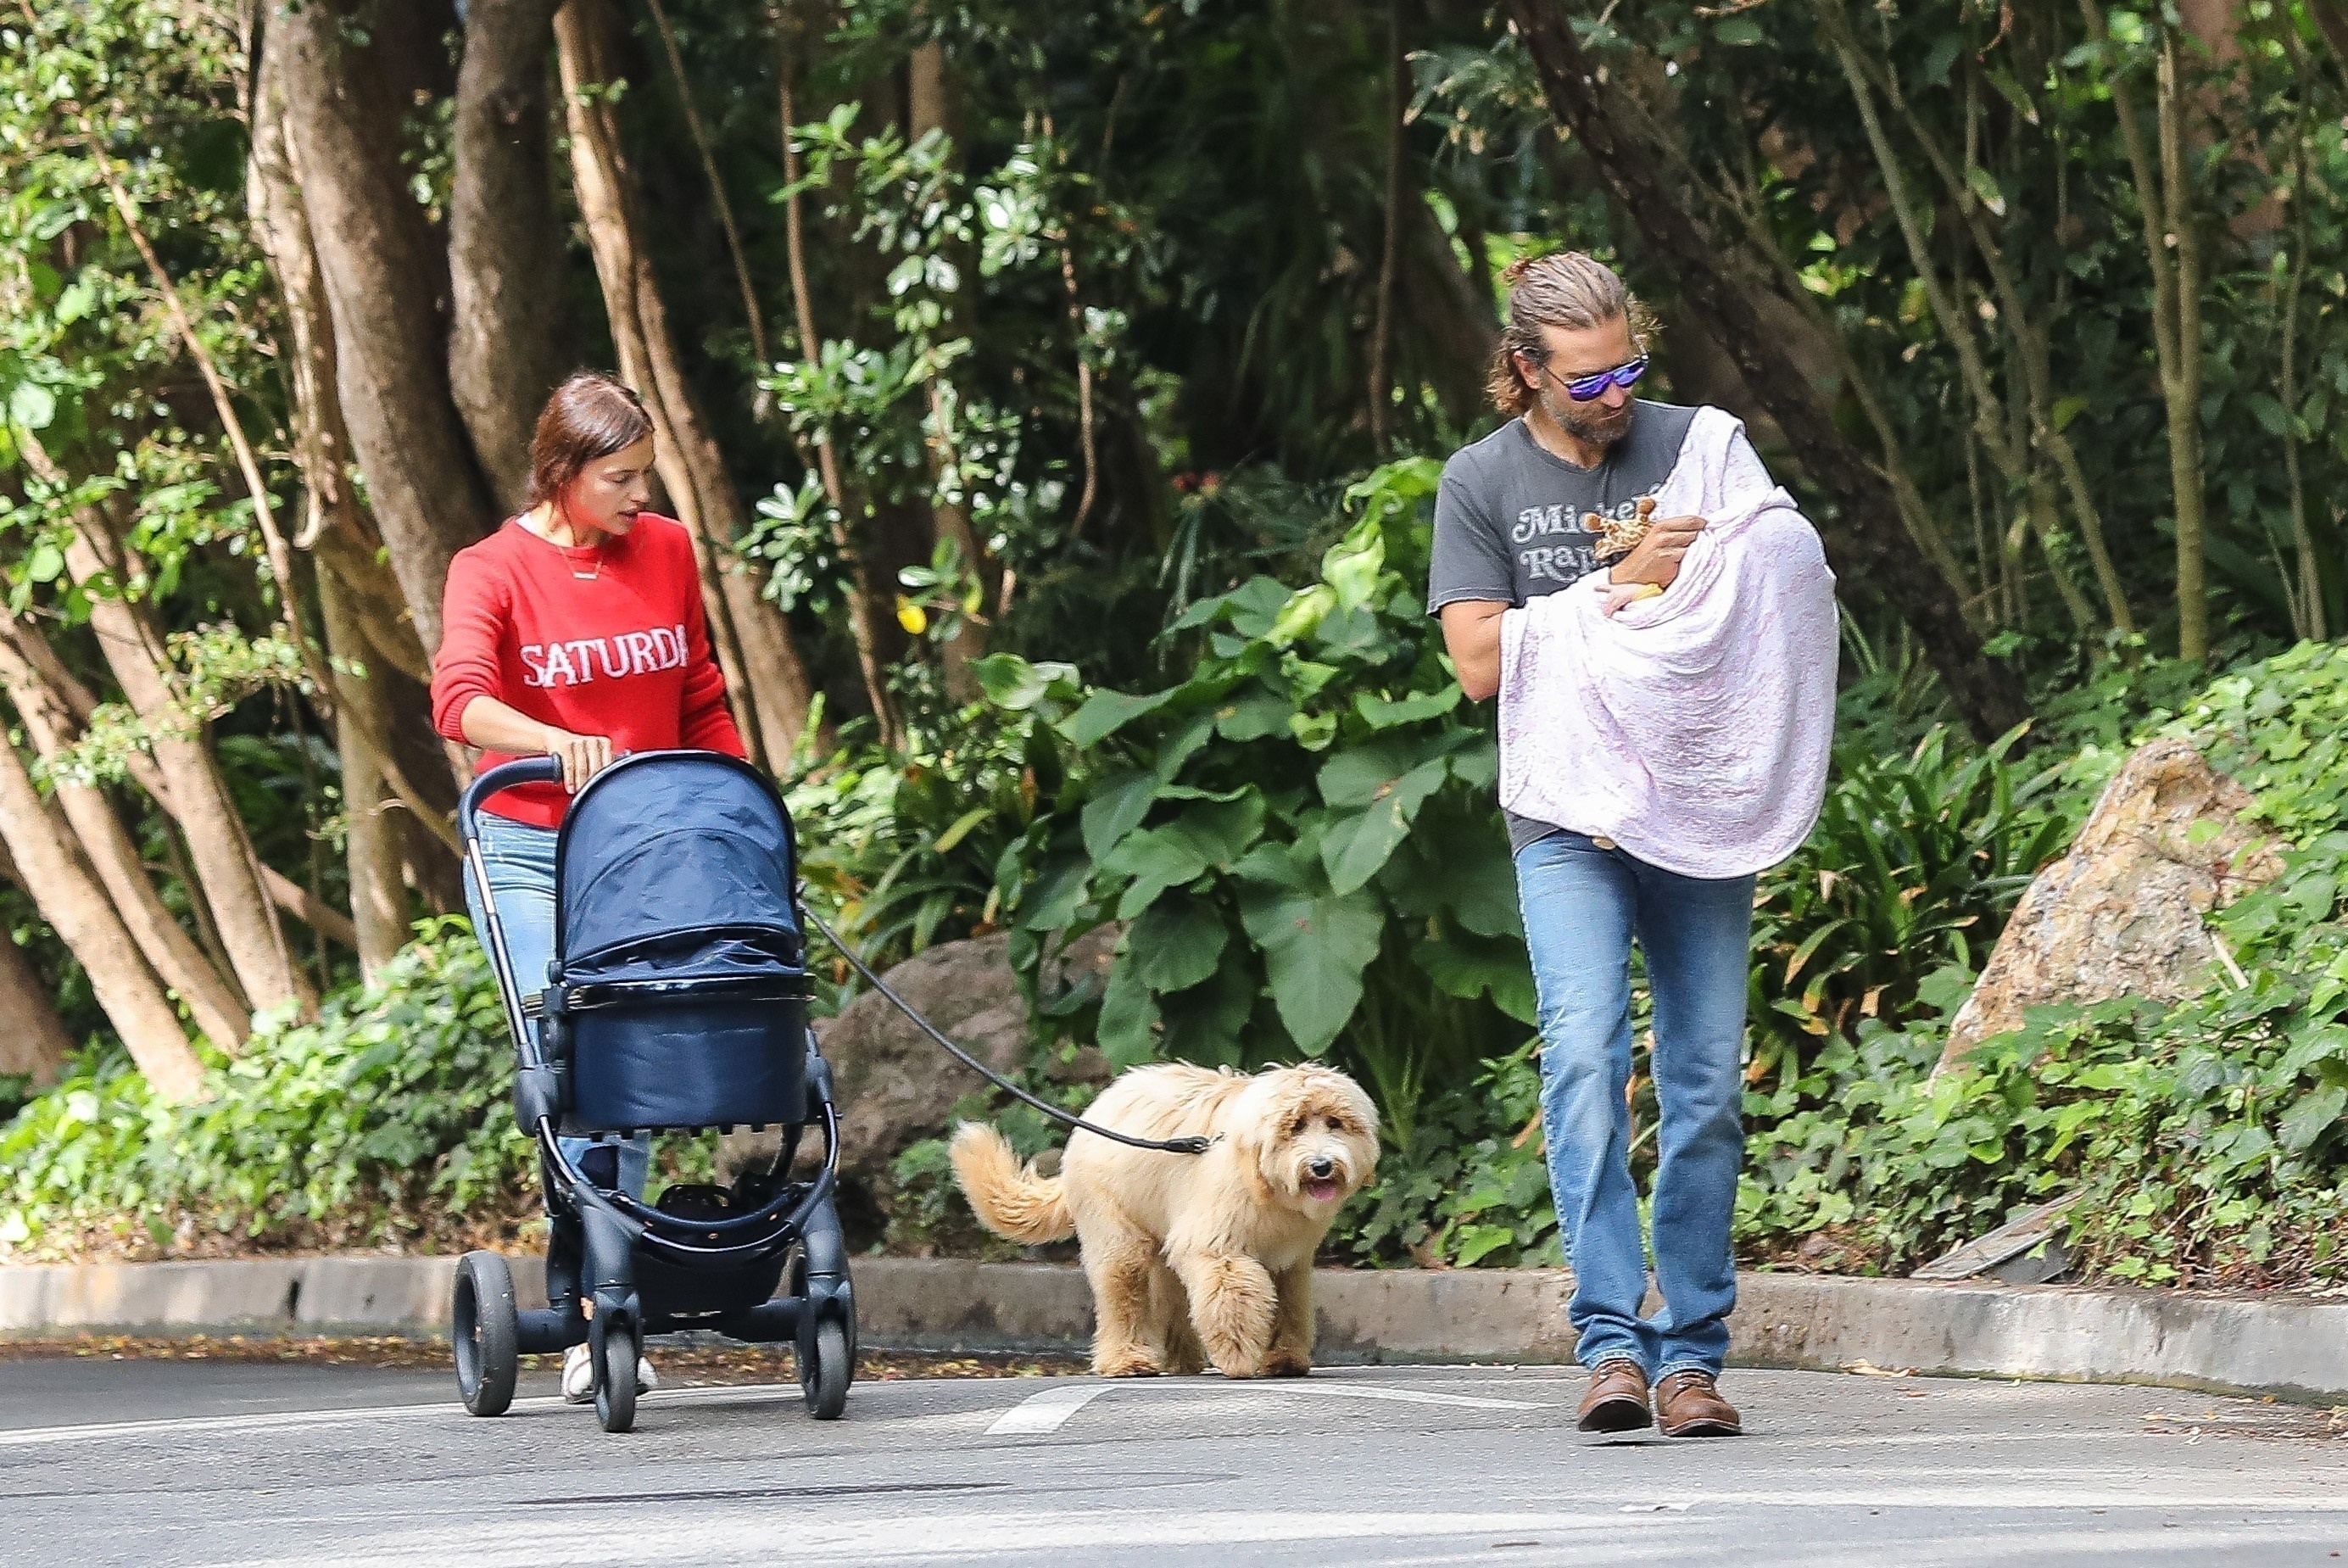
[1583,904]
[520,861]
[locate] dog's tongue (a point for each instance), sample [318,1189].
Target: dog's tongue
[1322,1188]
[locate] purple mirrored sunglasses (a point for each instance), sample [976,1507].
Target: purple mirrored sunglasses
[1583,388]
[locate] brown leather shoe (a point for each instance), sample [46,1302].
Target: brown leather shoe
[1617,1400]
[1688,1405]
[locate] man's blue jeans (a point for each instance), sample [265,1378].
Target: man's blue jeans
[1582,907]
[520,861]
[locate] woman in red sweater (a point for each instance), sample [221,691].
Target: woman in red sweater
[575,630]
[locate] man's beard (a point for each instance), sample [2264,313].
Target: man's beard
[1593,421]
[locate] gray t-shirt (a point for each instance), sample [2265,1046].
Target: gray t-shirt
[1507,518]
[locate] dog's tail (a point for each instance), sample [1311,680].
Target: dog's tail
[1009,1199]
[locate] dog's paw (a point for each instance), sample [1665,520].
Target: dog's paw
[1133,1365]
[1280,1365]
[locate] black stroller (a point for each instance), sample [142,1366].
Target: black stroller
[677,1000]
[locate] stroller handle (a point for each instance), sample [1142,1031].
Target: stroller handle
[497,780]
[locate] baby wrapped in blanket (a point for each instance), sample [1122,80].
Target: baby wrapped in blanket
[1691,727]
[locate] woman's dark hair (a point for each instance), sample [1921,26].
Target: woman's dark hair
[590,415]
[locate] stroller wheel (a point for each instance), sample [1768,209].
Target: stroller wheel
[824,1380]
[483,1329]
[615,1378]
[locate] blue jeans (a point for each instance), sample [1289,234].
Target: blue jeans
[1582,907]
[520,861]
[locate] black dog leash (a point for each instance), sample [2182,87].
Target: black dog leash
[1077,1123]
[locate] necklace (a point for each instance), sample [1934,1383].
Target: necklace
[588,576]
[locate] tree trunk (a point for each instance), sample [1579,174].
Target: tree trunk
[35,1044]
[212,998]
[229,874]
[345,96]
[75,907]
[374,851]
[505,249]
[765,676]
[1865,537]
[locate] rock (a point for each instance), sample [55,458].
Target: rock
[895,1085]
[2121,914]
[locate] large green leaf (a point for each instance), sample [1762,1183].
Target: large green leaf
[1155,859]
[1316,944]
[1177,943]
[1105,712]
[1117,808]
[1207,1023]
[1356,847]
[1456,864]
[1466,965]
[1128,1017]
[1253,712]
[1383,714]
[1363,775]
[1052,901]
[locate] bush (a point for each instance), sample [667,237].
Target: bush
[381,1124]
[2205,1138]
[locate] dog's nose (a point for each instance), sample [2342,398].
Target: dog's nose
[1319,1167]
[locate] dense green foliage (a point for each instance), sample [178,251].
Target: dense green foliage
[383,1124]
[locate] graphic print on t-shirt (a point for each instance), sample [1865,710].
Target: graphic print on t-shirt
[583,659]
[1510,517]
[1553,545]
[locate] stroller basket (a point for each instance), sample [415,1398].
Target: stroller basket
[668,1024]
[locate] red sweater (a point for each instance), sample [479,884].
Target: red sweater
[624,653]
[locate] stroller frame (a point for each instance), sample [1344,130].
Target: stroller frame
[704,1257]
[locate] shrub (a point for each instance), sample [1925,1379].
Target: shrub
[383,1123]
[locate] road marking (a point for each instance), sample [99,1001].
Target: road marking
[1046,1411]
[1407,1396]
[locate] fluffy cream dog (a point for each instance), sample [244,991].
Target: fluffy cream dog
[1228,1236]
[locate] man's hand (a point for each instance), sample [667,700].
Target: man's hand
[1656,558]
[583,756]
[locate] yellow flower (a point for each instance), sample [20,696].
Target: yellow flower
[911,616]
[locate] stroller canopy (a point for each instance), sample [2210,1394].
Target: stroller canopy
[676,865]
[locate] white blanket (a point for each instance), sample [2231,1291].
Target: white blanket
[1693,729]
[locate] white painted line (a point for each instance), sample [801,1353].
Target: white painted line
[1046,1411]
[1405,1395]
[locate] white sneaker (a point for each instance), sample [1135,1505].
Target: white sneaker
[579,1376]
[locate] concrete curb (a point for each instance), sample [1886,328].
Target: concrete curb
[2290,1348]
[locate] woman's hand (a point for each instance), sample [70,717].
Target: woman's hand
[1656,558]
[583,756]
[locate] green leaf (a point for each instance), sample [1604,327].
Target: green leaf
[1177,943]
[1983,185]
[1011,682]
[1356,847]
[2068,409]
[1155,860]
[2315,1114]
[32,406]
[1206,1024]
[1351,565]
[1469,966]
[1129,1017]
[44,564]
[1253,714]
[1051,904]
[1117,808]
[1105,712]
[1316,944]
[961,826]
[1471,1244]
[1739,32]
[1385,715]
[1363,775]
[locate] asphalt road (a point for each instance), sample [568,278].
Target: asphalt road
[159,1463]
